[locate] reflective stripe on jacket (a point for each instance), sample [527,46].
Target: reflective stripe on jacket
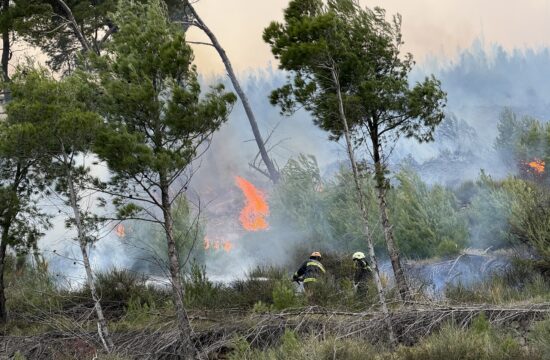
[310,271]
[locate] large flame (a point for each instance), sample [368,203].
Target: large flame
[537,165]
[253,215]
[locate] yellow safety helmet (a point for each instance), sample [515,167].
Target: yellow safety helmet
[315,254]
[358,255]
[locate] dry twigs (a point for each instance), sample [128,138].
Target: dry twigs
[220,328]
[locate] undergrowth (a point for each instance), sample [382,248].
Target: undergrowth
[520,282]
[478,342]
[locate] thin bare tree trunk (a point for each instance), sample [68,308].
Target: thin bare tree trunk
[393,250]
[103,330]
[272,171]
[363,207]
[189,350]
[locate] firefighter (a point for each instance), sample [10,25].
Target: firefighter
[362,274]
[310,271]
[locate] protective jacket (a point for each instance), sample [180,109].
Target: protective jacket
[362,271]
[310,271]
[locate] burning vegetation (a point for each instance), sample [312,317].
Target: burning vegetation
[537,166]
[148,153]
[217,244]
[253,216]
[120,231]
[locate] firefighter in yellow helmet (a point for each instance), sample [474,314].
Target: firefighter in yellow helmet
[310,271]
[362,274]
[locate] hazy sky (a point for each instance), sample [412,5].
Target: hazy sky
[430,27]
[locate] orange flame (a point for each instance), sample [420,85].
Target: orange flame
[216,245]
[537,165]
[253,215]
[120,230]
[227,246]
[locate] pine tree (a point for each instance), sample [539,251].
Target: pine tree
[52,117]
[21,184]
[159,122]
[347,70]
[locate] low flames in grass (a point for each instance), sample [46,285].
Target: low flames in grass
[534,168]
[120,231]
[216,244]
[537,166]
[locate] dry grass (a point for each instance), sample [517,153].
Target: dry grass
[216,331]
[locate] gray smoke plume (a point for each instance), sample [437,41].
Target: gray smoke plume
[479,85]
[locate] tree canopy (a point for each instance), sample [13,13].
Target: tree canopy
[364,48]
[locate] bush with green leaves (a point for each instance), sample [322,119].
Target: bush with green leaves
[427,220]
[489,211]
[522,140]
[530,221]
[148,240]
[284,296]
[200,292]
[118,288]
[344,215]
[299,201]
[510,212]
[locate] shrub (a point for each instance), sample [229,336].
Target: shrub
[262,308]
[517,283]
[268,272]
[284,296]
[539,338]
[480,342]
[530,221]
[116,288]
[31,290]
[293,347]
[427,220]
[199,291]
[247,292]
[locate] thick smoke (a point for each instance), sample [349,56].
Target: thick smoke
[479,85]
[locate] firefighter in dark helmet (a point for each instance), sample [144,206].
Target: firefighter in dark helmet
[310,271]
[361,275]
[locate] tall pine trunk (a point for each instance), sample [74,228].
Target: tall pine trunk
[271,170]
[102,328]
[393,249]
[363,208]
[6,46]
[9,217]
[3,249]
[189,350]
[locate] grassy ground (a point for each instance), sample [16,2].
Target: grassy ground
[478,342]
[38,308]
